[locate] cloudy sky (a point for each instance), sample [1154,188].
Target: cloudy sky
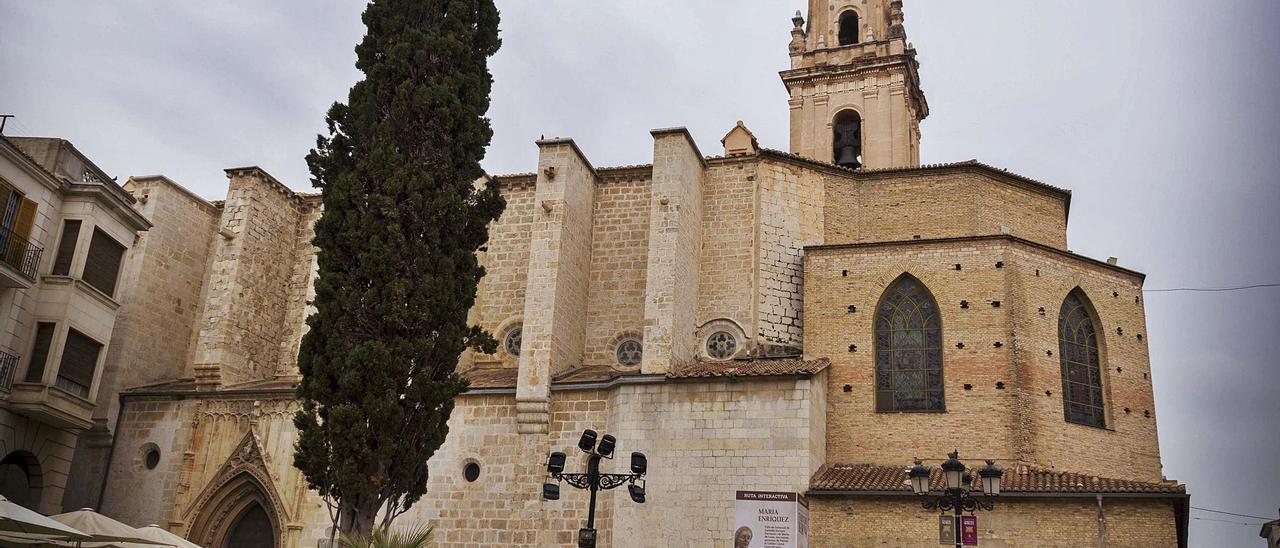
[1161,115]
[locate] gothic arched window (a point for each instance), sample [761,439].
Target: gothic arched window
[849,28]
[1081,370]
[846,139]
[908,333]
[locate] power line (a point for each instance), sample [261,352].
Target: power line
[1210,289]
[1228,521]
[1229,513]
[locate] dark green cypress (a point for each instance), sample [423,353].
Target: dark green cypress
[398,271]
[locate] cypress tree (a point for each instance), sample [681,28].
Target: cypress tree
[403,219]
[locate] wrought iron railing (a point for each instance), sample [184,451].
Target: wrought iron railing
[19,253]
[8,367]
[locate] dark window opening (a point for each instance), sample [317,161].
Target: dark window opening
[908,331]
[1082,400]
[66,248]
[79,362]
[849,28]
[40,352]
[102,264]
[847,139]
[471,472]
[152,459]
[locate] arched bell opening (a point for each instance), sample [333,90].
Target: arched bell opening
[847,139]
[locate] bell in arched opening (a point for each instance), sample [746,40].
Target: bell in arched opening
[847,139]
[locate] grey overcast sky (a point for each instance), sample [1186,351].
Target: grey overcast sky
[1161,115]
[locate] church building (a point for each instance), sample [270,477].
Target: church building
[808,321]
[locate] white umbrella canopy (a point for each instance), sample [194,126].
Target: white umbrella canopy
[17,519]
[159,534]
[103,529]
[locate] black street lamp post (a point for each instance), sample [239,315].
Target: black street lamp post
[593,480]
[957,494]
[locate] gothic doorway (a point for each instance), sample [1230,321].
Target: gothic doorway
[238,515]
[251,529]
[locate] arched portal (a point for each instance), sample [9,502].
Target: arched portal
[251,529]
[21,479]
[238,515]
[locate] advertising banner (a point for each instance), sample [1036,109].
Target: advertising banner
[969,530]
[765,519]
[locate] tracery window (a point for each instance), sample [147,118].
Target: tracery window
[629,352]
[1082,401]
[908,332]
[511,342]
[722,345]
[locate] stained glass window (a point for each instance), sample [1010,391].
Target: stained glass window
[908,335]
[722,345]
[511,343]
[1078,354]
[629,352]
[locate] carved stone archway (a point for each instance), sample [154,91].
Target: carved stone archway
[242,487]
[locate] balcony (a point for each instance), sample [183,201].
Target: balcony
[8,367]
[18,260]
[52,405]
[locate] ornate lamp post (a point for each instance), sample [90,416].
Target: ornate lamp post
[957,495]
[593,480]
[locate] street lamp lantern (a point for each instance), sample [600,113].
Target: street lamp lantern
[919,478]
[958,496]
[555,463]
[594,480]
[587,442]
[607,444]
[991,479]
[953,470]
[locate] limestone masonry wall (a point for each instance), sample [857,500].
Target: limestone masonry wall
[899,522]
[675,251]
[727,266]
[791,217]
[619,263]
[243,319]
[944,203]
[501,293]
[1024,420]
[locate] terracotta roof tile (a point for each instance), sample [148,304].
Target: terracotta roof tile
[769,367]
[1020,479]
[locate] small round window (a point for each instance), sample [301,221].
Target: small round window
[721,345]
[511,342]
[151,459]
[471,472]
[629,352]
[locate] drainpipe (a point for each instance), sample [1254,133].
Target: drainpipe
[111,454]
[1102,525]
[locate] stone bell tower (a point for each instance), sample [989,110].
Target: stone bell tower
[855,88]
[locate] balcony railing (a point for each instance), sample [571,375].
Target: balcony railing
[19,253]
[8,367]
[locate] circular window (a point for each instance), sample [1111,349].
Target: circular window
[629,352]
[721,345]
[152,459]
[511,342]
[471,472]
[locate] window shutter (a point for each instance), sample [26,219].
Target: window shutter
[102,265]
[66,248]
[40,353]
[79,361]
[16,250]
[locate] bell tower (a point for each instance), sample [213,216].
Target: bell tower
[854,84]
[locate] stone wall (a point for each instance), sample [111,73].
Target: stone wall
[51,448]
[243,317]
[899,522]
[675,251]
[1023,415]
[619,262]
[301,289]
[501,293]
[728,264]
[941,203]
[791,217]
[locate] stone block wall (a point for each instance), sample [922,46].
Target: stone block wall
[301,289]
[1023,421]
[619,263]
[675,250]
[899,522]
[791,217]
[242,322]
[727,269]
[51,448]
[501,293]
[940,203]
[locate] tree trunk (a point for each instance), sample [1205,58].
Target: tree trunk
[356,519]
